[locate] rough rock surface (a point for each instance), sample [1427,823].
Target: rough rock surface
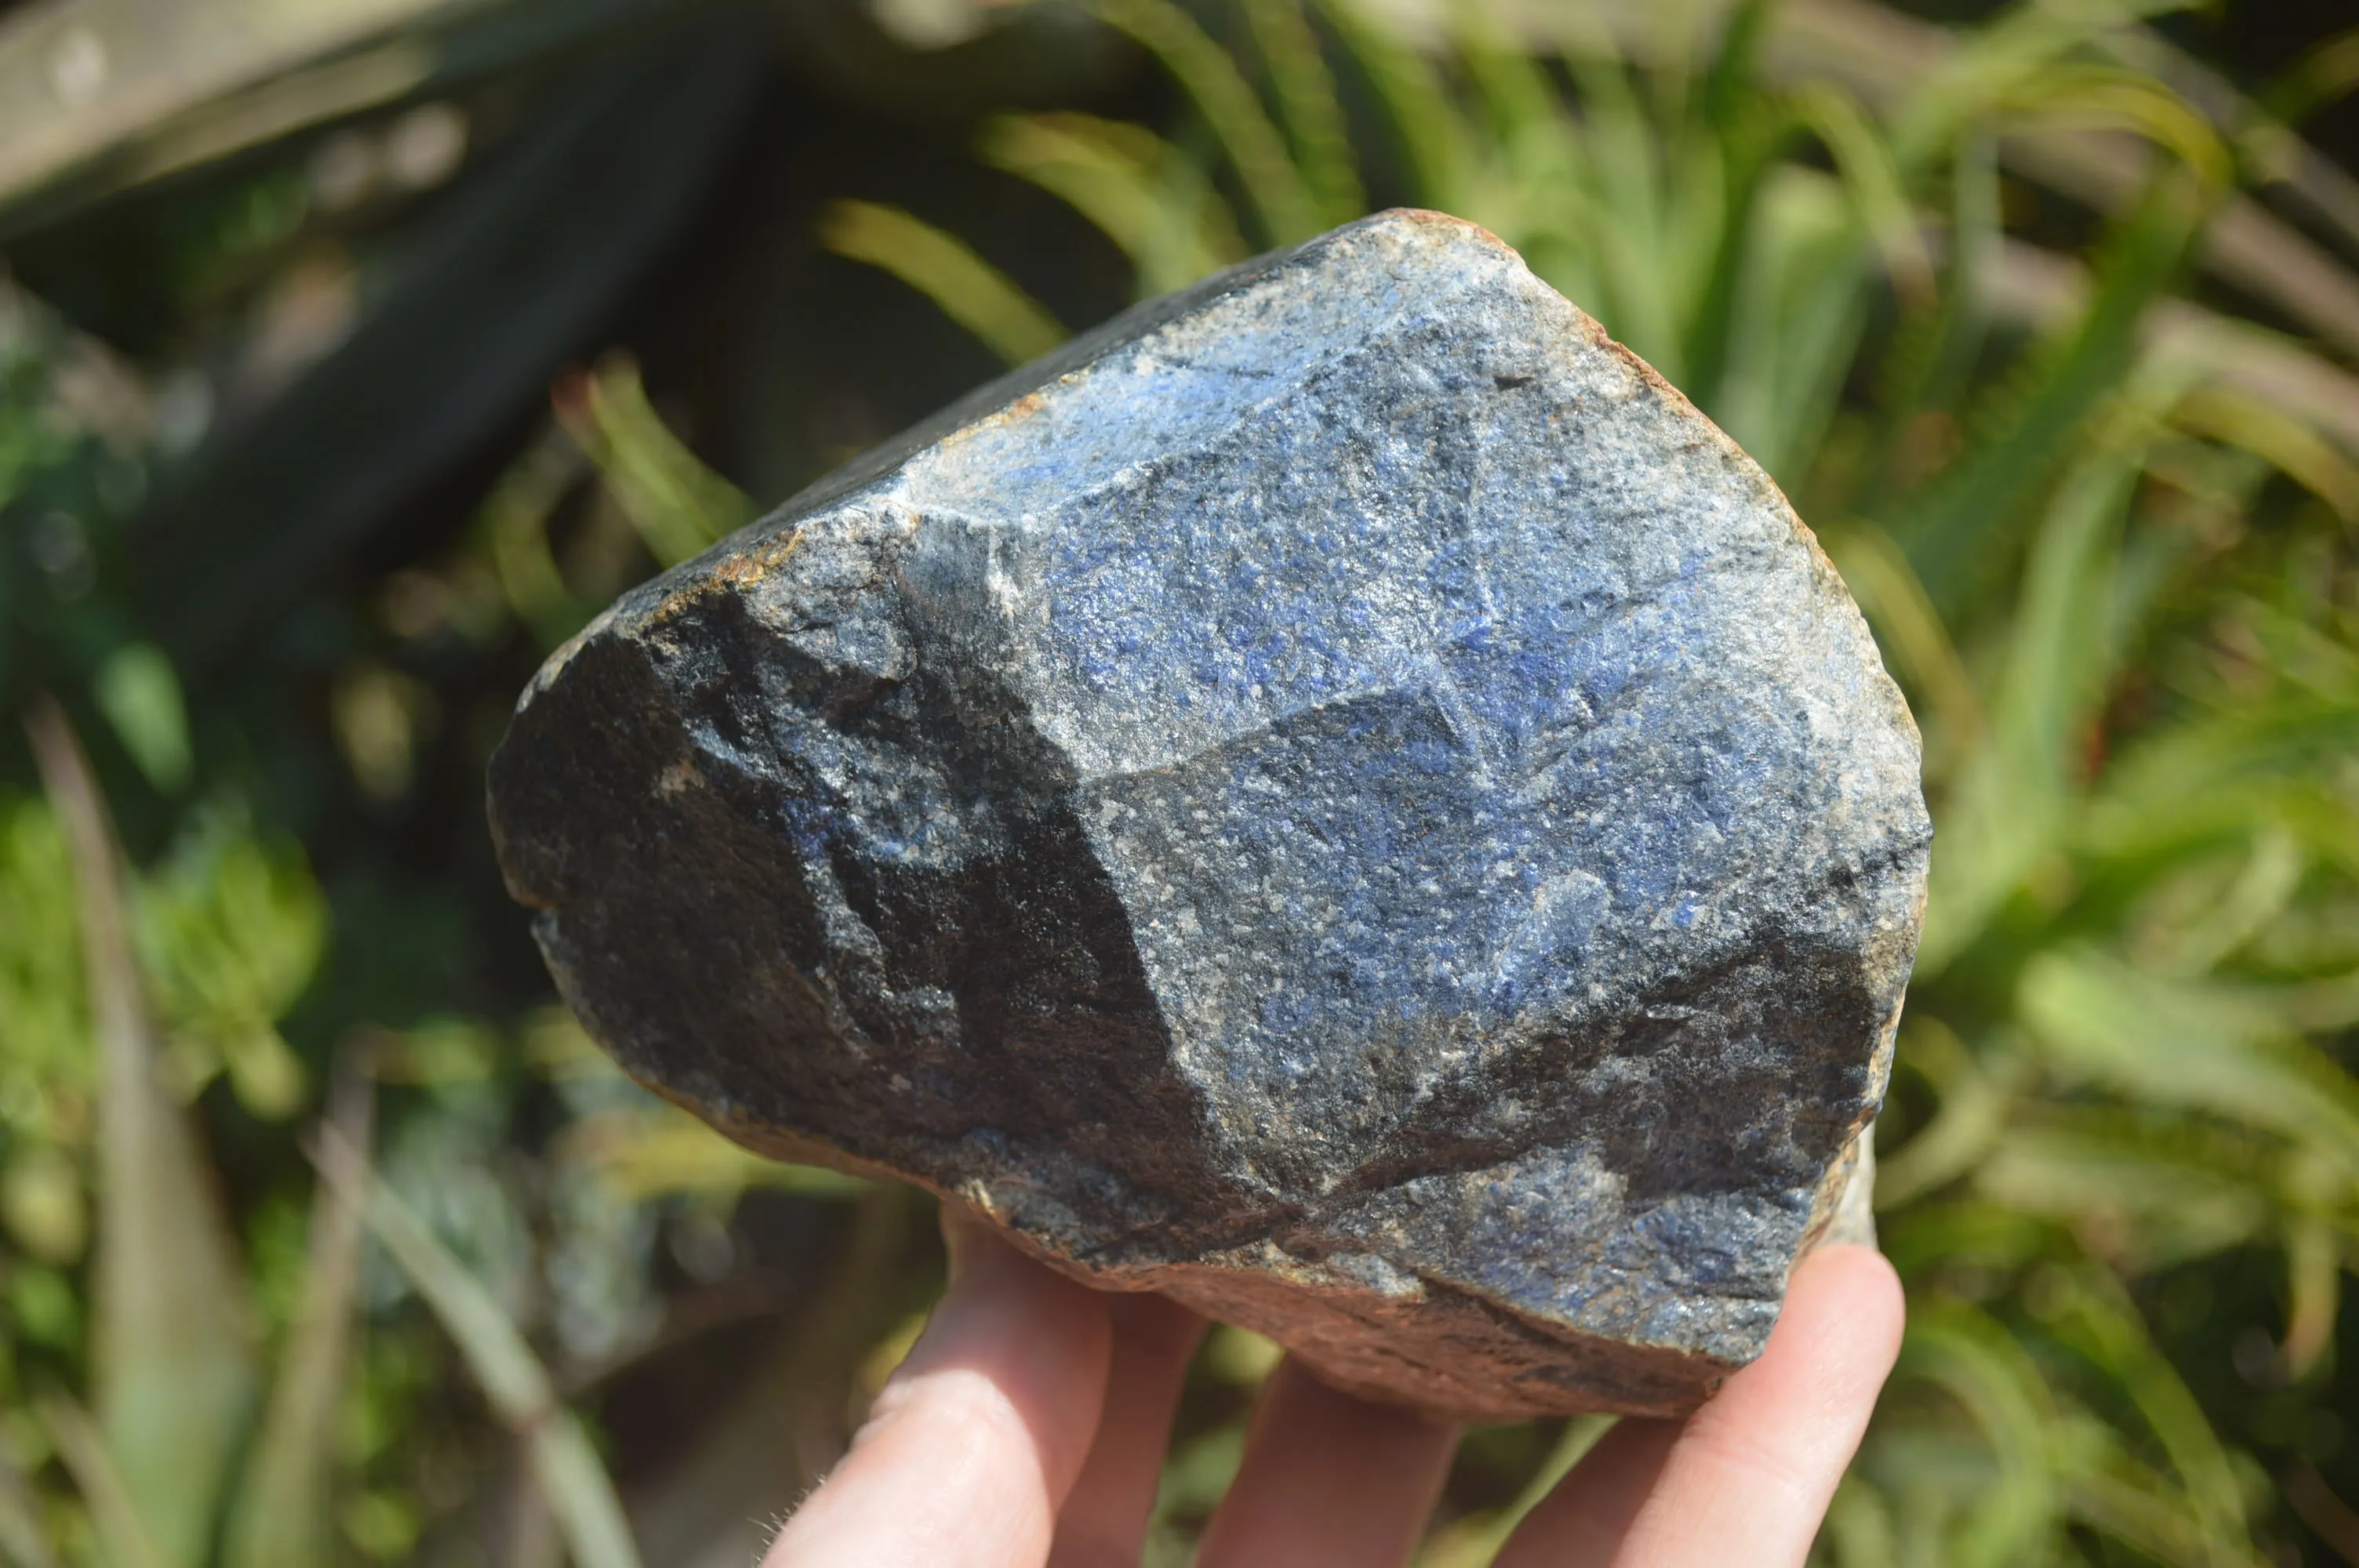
[1341,797]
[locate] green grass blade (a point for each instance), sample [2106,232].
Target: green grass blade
[2314,1252]
[283,1514]
[1140,191]
[1432,135]
[1975,1109]
[1873,180]
[2165,1193]
[99,97]
[2010,809]
[139,692]
[1993,68]
[946,270]
[1817,339]
[678,505]
[1306,98]
[115,1516]
[514,520]
[1970,1356]
[2101,1323]
[1928,366]
[23,1542]
[1624,161]
[1537,189]
[2115,1493]
[1910,630]
[173,1344]
[2294,447]
[1752,134]
[573,1482]
[1281,199]
[1955,530]
[2192,1045]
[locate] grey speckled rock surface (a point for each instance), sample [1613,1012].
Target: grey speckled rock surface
[1340,797]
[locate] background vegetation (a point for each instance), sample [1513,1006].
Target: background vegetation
[352,354]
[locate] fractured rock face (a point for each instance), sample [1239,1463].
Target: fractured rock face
[1340,797]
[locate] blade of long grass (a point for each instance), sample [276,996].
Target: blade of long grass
[1972,1113]
[283,1518]
[2114,1493]
[1281,199]
[1873,180]
[2268,743]
[2163,1200]
[1930,361]
[2313,1293]
[1952,86]
[1306,98]
[1647,282]
[2291,444]
[2050,293]
[1816,331]
[662,1151]
[23,1543]
[1751,131]
[573,1481]
[172,1340]
[99,96]
[2262,125]
[1426,122]
[1966,1354]
[1910,630]
[678,505]
[1954,531]
[2189,1044]
[1537,189]
[2009,811]
[1474,1542]
[115,1516]
[1140,191]
[1860,1531]
[514,521]
[2324,73]
[946,270]
[1932,81]
[2104,97]
[2100,1321]
[2329,1518]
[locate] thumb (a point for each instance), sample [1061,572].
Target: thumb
[971,1448]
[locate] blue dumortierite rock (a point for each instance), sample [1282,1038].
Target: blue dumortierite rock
[1340,797]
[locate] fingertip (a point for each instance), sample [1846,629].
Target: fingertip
[1860,1269]
[976,1439]
[1747,1479]
[1039,1340]
[1848,1300]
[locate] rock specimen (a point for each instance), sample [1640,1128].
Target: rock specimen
[1340,797]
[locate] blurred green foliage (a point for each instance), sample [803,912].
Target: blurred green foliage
[2047,329]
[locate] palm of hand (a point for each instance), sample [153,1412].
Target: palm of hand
[1027,1427]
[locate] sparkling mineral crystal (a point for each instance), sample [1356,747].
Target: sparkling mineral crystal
[1338,797]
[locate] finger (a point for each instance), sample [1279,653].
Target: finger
[1582,1523]
[1747,1477]
[1328,1479]
[1104,1524]
[974,1443]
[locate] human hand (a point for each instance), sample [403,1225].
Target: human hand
[1027,1427]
